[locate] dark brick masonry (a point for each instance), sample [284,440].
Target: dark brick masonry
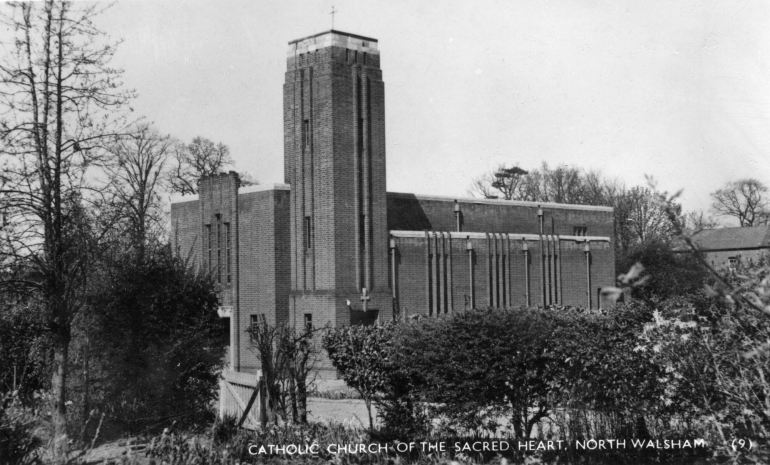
[331,240]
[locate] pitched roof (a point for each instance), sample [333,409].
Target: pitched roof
[733,238]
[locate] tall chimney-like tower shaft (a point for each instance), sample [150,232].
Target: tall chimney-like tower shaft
[334,134]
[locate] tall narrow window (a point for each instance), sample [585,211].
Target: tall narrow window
[362,233]
[219,249]
[308,233]
[306,133]
[229,254]
[210,246]
[309,321]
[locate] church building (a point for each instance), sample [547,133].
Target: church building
[330,245]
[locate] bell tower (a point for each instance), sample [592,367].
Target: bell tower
[334,159]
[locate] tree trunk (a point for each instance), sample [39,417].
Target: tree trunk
[369,411]
[302,397]
[59,393]
[293,396]
[86,414]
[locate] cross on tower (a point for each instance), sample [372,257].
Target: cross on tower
[332,13]
[365,297]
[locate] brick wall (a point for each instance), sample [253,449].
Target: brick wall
[409,212]
[721,258]
[555,265]
[264,270]
[186,228]
[437,274]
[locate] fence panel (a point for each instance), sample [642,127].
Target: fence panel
[236,390]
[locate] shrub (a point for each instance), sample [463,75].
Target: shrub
[669,274]
[23,349]
[156,344]
[18,443]
[714,371]
[478,365]
[359,353]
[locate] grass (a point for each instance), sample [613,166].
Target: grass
[336,394]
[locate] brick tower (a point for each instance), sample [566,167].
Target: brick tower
[334,159]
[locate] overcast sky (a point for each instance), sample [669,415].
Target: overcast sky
[679,90]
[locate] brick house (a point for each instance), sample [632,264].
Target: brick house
[724,247]
[331,246]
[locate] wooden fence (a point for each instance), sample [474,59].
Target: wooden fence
[242,395]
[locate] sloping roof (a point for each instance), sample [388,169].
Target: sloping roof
[733,238]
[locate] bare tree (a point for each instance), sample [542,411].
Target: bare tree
[138,173]
[698,221]
[502,181]
[58,101]
[640,218]
[563,184]
[302,353]
[200,158]
[745,199]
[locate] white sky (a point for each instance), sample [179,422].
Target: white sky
[679,90]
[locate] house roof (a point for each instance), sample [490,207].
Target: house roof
[733,238]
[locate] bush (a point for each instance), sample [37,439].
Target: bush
[18,443]
[715,370]
[155,345]
[669,274]
[23,349]
[478,365]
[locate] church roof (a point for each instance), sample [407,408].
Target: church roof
[733,238]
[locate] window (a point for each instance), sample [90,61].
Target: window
[256,320]
[308,321]
[733,262]
[362,233]
[210,246]
[308,233]
[229,253]
[306,133]
[219,250]
[579,231]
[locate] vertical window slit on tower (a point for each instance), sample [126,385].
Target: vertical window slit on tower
[502,286]
[306,133]
[308,233]
[369,162]
[219,249]
[360,177]
[210,246]
[369,131]
[229,253]
[362,235]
